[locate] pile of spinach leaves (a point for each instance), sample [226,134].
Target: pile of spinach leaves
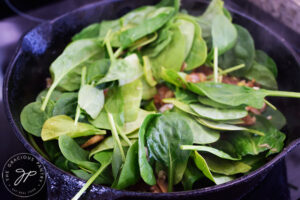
[105,81]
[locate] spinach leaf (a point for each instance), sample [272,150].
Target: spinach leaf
[72,152]
[242,53]
[132,95]
[89,32]
[187,29]
[54,96]
[198,52]
[97,70]
[226,167]
[64,125]
[263,59]
[166,134]
[202,135]
[124,70]
[130,172]
[108,25]
[246,144]
[105,159]
[32,117]
[102,179]
[66,104]
[172,57]
[165,36]
[155,20]
[174,77]
[146,170]
[231,95]
[218,114]
[208,102]
[224,34]
[226,127]
[137,16]
[148,72]
[276,118]
[202,165]
[263,76]
[172,3]
[220,179]
[148,91]
[91,100]
[211,150]
[73,56]
[108,144]
[191,175]
[130,127]
[205,20]
[52,149]
[185,96]
[101,121]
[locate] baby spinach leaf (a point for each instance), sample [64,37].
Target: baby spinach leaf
[242,53]
[220,179]
[202,165]
[172,57]
[202,135]
[187,29]
[263,76]
[73,56]
[134,135]
[231,95]
[66,104]
[52,149]
[91,100]
[97,70]
[64,125]
[226,167]
[226,127]
[205,20]
[132,95]
[101,121]
[276,118]
[114,104]
[174,77]
[263,59]
[105,159]
[108,25]
[166,134]
[148,91]
[165,36]
[130,127]
[108,144]
[124,70]
[198,53]
[54,96]
[211,150]
[130,172]
[218,114]
[117,159]
[137,15]
[146,170]
[191,175]
[171,3]
[102,179]
[185,96]
[208,102]
[181,106]
[155,20]
[32,117]
[89,32]
[224,34]
[148,72]
[245,144]
[72,152]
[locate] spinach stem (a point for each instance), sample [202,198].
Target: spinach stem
[269,104]
[170,176]
[118,52]
[216,65]
[123,135]
[115,134]
[89,182]
[45,102]
[78,109]
[37,148]
[108,46]
[282,94]
[232,69]
[143,42]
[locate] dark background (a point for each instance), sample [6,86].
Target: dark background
[19,16]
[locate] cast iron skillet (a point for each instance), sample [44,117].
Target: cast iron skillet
[26,74]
